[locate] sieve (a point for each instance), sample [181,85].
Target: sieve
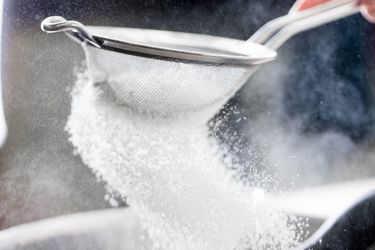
[167,72]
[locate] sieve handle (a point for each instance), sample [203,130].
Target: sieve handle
[73,29]
[308,14]
[300,11]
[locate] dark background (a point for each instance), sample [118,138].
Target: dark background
[326,86]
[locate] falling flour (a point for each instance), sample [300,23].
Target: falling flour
[170,171]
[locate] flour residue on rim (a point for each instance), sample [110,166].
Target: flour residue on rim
[171,172]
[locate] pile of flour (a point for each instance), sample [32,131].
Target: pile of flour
[171,172]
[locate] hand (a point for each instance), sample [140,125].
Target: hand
[368,9]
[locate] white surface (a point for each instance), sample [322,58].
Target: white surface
[103,229]
[323,201]
[122,229]
[3,126]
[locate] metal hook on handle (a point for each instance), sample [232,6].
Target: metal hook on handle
[74,29]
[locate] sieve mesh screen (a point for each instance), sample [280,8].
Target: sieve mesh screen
[162,86]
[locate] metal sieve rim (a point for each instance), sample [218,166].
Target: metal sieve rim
[165,45]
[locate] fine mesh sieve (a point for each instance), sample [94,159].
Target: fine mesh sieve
[162,86]
[165,72]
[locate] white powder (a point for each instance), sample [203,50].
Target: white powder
[172,173]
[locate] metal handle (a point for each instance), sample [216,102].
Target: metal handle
[292,29]
[74,29]
[308,14]
[268,30]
